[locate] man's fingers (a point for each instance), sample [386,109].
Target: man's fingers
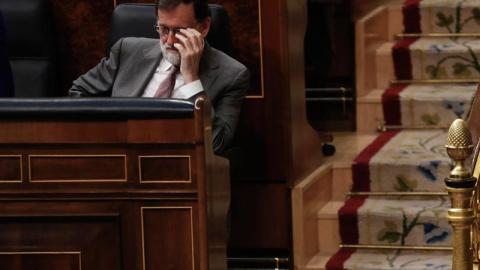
[194,37]
[184,40]
[179,47]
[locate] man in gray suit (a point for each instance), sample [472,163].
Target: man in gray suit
[138,66]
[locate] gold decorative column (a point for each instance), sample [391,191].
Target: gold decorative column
[461,187]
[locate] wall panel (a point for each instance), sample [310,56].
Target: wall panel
[82,29]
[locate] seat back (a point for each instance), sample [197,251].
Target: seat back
[6,77]
[31,46]
[137,20]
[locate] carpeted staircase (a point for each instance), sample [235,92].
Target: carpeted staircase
[394,217]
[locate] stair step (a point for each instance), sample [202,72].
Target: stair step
[440,16]
[426,58]
[318,262]
[403,161]
[329,242]
[396,220]
[409,160]
[374,259]
[385,72]
[415,106]
[436,58]
[424,105]
[370,111]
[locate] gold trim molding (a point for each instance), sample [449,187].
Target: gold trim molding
[436,35]
[435,81]
[384,247]
[373,193]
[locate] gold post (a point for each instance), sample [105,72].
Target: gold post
[460,187]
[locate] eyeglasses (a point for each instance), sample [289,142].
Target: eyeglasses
[164,31]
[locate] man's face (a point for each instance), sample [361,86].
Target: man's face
[182,16]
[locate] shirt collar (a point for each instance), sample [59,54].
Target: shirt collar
[164,65]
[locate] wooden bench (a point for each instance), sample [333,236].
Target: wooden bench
[110,184]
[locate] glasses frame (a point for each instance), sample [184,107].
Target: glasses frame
[165,31]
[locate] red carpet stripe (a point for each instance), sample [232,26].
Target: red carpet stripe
[348,220]
[411,16]
[360,167]
[337,261]
[391,104]
[402,59]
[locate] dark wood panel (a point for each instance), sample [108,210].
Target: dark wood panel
[103,220]
[82,29]
[56,132]
[121,130]
[10,168]
[40,261]
[165,169]
[32,234]
[70,166]
[259,216]
[161,228]
[78,168]
[246,38]
[141,130]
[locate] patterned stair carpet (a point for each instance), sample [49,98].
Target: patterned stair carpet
[420,105]
[402,220]
[436,58]
[413,160]
[397,161]
[409,160]
[441,16]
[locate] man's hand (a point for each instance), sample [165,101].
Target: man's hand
[190,48]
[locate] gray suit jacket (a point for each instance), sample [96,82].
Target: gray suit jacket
[132,62]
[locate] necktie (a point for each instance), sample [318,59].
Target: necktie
[166,87]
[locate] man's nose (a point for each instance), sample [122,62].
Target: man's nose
[171,38]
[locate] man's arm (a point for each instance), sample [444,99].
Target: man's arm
[99,80]
[227,111]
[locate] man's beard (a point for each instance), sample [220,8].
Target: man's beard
[173,58]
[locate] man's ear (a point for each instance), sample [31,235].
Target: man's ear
[205,26]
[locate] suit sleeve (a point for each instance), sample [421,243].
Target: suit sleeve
[99,80]
[227,111]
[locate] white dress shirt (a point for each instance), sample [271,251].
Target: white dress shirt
[180,91]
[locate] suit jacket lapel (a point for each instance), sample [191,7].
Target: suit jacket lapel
[148,65]
[209,68]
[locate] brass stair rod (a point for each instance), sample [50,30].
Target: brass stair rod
[394,193]
[434,81]
[447,35]
[460,186]
[415,127]
[385,247]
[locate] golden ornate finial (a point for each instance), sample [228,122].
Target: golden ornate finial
[459,147]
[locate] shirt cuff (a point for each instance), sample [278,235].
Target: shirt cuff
[188,90]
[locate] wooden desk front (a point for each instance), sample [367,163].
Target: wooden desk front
[112,194]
